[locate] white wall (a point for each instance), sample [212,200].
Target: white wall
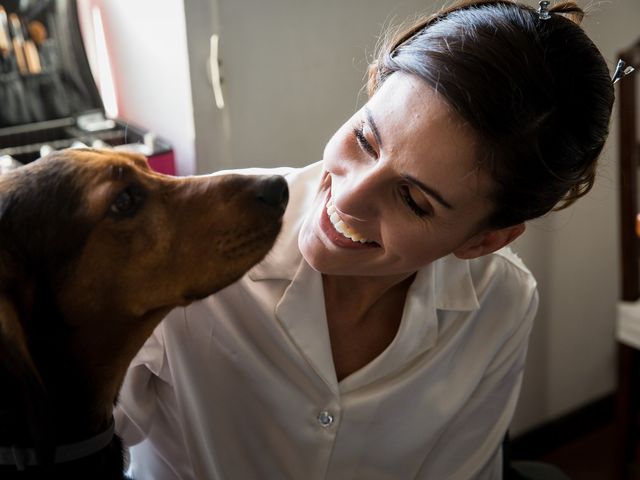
[291,74]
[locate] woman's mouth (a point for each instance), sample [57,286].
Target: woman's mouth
[342,227]
[339,232]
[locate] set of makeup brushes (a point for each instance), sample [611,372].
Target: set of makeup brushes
[31,82]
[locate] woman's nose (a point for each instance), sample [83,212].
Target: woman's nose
[358,195]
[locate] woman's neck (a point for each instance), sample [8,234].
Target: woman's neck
[356,296]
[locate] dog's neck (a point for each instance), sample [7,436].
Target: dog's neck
[69,393]
[71,407]
[81,381]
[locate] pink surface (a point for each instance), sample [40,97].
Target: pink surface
[163,163]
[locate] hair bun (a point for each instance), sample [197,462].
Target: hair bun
[569,10]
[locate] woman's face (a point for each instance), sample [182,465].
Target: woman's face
[401,187]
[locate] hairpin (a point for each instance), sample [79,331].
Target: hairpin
[543,10]
[621,71]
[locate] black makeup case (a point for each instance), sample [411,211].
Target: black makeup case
[48,96]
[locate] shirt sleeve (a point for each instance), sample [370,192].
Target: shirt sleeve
[471,446]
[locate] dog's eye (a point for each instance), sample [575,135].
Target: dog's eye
[127,202]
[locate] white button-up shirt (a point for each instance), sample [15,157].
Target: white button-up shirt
[242,385]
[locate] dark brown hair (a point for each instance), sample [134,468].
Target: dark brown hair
[537,93]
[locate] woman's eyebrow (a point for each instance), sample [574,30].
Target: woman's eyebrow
[428,190]
[374,128]
[409,178]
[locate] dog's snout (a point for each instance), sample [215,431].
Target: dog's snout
[273,191]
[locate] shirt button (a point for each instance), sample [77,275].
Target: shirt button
[325,418]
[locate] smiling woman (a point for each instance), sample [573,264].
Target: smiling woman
[384,336]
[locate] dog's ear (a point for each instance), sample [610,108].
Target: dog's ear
[14,350]
[24,394]
[15,356]
[27,388]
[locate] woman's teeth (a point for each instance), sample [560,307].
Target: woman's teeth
[342,227]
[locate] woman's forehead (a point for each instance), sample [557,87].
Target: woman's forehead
[408,94]
[408,113]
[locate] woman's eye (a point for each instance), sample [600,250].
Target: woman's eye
[126,203]
[363,142]
[411,203]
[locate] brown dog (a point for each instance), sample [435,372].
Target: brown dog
[95,249]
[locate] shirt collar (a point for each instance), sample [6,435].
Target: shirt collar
[282,262]
[453,289]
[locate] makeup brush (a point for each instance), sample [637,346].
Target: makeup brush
[18,43]
[56,99]
[32,56]
[37,32]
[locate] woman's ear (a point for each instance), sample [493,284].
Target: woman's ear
[488,241]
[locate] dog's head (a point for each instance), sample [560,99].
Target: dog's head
[95,248]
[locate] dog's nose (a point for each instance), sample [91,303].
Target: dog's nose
[273,191]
